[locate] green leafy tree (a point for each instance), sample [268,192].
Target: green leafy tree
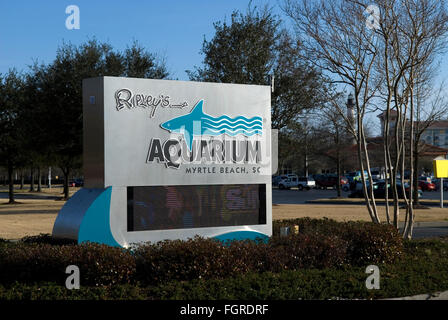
[59,94]
[11,125]
[252,48]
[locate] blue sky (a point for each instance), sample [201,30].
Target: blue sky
[173,29]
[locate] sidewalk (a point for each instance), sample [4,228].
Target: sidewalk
[433,296]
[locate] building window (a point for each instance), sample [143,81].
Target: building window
[436,141]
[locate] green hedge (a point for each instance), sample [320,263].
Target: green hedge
[423,268]
[200,258]
[367,242]
[99,264]
[47,239]
[320,244]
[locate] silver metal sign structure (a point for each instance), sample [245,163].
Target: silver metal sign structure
[170,159]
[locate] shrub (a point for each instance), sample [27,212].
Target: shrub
[45,238]
[366,242]
[98,264]
[323,226]
[180,260]
[309,251]
[102,264]
[55,291]
[422,269]
[200,258]
[320,244]
[372,243]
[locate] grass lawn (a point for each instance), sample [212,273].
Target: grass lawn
[33,217]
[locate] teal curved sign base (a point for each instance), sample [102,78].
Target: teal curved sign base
[86,217]
[242,235]
[95,226]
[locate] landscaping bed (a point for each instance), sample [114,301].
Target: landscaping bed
[326,260]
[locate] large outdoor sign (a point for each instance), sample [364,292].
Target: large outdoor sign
[172,159]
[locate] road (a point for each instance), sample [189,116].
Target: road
[29,196]
[430,230]
[295,196]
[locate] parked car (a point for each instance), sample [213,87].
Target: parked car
[407,174]
[437,183]
[326,181]
[275,180]
[76,183]
[357,189]
[426,186]
[424,178]
[354,178]
[379,190]
[288,181]
[376,175]
[306,183]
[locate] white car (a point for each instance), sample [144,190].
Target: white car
[288,181]
[306,183]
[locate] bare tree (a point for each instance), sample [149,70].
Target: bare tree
[334,129]
[412,33]
[382,61]
[335,39]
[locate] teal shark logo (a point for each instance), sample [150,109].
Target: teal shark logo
[198,123]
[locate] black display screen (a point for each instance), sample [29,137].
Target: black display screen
[184,207]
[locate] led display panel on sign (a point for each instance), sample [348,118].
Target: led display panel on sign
[185,207]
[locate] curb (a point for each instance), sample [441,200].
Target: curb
[430,296]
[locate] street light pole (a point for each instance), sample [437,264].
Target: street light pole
[49,177]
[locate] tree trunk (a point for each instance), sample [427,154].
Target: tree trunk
[305,164]
[387,169]
[66,186]
[408,229]
[375,216]
[32,180]
[49,178]
[11,182]
[415,190]
[395,168]
[338,168]
[39,180]
[22,178]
